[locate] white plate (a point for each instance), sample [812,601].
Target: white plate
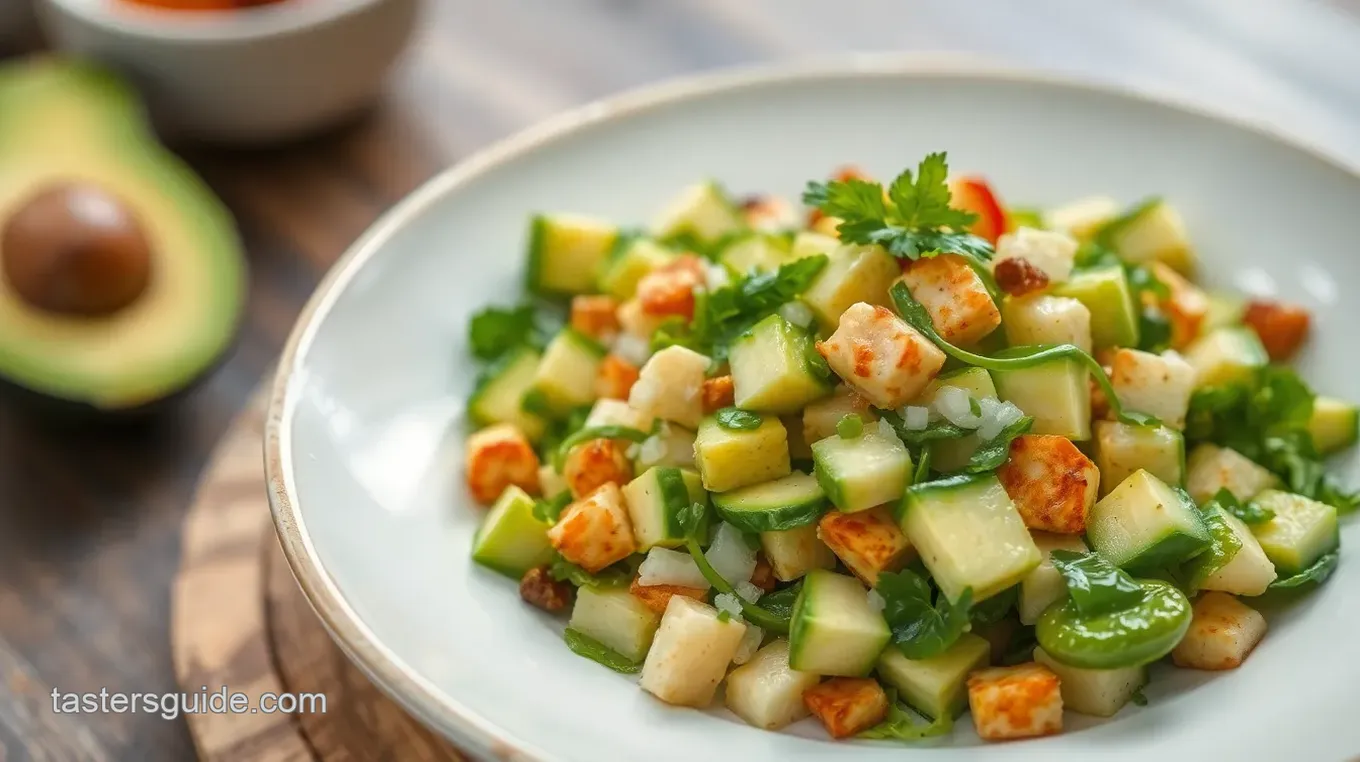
[364,456]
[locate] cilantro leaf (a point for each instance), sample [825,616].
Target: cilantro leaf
[990,455]
[1250,512]
[616,575]
[903,724]
[994,609]
[736,419]
[921,629]
[584,645]
[780,602]
[1096,585]
[854,199]
[1313,575]
[496,330]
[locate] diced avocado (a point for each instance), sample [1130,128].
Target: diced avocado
[1098,692]
[1154,232]
[701,212]
[655,500]
[953,454]
[732,458]
[968,534]
[86,189]
[1225,310]
[1144,525]
[500,395]
[565,378]
[616,618]
[771,368]
[1082,218]
[1248,572]
[620,274]
[1105,292]
[807,244]
[936,686]
[794,552]
[1121,449]
[833,629]
[864,471]
[1302,531]
[1057,393]
[566,251]
[1333,425]
[1045,584]
[759,252]
[791,501]
[511,540]
[1225,356]
[852,274]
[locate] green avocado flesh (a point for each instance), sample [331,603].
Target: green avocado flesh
[70,122]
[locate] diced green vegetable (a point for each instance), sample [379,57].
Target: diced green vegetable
[1106,293]
[616,618]
[1152,232]
[834,630]
[500,394]
[565,378]
[1225,356]
[1056,393]
[785,503]
[1121,449]
[1333,425]
[566,251]
[701,212]
[771,368]
[935,686]
[655,500]
[732,458]
[619,276]
[755,251]
[511,540]
[860,473]
[1302,531]
[853,274]
[1225,310]
[1144,525]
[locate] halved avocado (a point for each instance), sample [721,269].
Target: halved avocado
[124,278]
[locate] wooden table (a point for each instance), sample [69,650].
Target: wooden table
[90,516]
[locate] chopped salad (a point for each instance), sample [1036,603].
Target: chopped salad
[897,455]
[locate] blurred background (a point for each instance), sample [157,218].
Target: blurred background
[306,119]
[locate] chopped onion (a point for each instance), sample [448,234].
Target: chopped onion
[797,313]
[632,452]
[750,643]
[632,348]
[717,277]
[652,450]
[956,405]
[670,567]
[996,416]
[730,556]
[748,592]
[729,603]
[876,601]
[916,418]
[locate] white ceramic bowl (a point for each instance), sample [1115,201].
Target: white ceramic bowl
[264,74]
[363,448]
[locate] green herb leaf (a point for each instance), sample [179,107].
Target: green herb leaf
[1107,232]
[584,645]
[921,629]
[1138,698]
[1096,585]
[1313,575]
[496,330]
[849,426]
[595,432]
[616,575]
[1250,512]
[902,724]
[934,431]
[991,455]
[922,474]
[550,509]
[736,419]
[1021,647]
[1224,546]
[995,608]
[780,602]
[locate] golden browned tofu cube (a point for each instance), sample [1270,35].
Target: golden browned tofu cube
[867,542]
[1023,701]
[498,456]
[880,356]
[956,298]
[1222,633]
[595,531]
[847,705]
[1051,482]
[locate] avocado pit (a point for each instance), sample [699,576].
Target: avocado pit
[75,249]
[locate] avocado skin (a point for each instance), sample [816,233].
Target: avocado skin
[112,132]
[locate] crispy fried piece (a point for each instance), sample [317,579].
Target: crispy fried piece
[541,590]
[1017,277]
[1282,327]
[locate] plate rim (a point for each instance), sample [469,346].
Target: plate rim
[394,677]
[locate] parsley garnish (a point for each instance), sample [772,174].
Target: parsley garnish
[584,645]
[914,220]
[736,419]
[921,629]
[496,330]
[1313,575]
[1096,585]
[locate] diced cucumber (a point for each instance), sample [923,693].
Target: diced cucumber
[1154,232]
[792,501]
[1225,356]
[655,500]
[566,252]
[732,458]
[759,252]
[936,686]
[1082,218]
[1098,692]
[968,534]
[765,691]
[616,618]
[1045,319]
[1121,449]
[949,455]
[1105,292]
[1057,393]
[619,275]
[1333,425]
[1045,584]
[794,552]
[1302,531]
[1225,310]
[701,212]
[834,630]
[771,369]
[852,274]
[1249,572]
[500,396]
[1144,525]
[511,540]
[565,378]
[1211,468]
[808,244]
[864,471]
